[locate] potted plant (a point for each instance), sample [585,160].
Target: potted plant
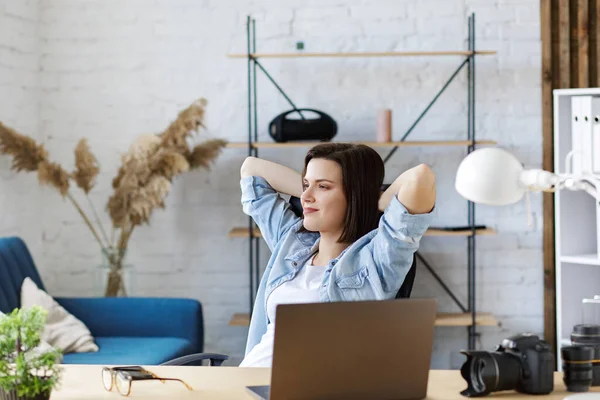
[141,185]
[27,371]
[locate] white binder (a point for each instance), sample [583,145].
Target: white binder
[576,139]
[595,120]
[585,108]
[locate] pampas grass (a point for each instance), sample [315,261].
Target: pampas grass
[26,153]
[187,122]
[52,174]
[168,163]
[143,181]
[203,154]
[86,167]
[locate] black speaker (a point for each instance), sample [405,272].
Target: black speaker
[284,129]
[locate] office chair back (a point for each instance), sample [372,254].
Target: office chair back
[409,280]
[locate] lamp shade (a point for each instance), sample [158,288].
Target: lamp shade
[490,176]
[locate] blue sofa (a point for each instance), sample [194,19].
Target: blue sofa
[140,331]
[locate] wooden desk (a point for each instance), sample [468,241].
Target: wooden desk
[82,382]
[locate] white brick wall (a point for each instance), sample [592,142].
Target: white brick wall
[112,69]
[19,107]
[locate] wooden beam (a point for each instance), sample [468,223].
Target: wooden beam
[579,44]
[594,43]
[548,45]
[561,51]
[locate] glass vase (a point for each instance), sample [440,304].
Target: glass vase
[114,277]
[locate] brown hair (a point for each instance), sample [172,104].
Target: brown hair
[362,176]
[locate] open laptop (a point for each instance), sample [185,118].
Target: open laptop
[351,350]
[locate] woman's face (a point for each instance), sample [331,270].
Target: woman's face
[323,198]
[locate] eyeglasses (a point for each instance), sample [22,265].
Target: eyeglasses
[121,377]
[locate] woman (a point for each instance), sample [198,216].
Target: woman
[341,250]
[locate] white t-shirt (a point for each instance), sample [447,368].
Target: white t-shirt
[304,288]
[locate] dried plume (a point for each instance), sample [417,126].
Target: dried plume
[86,167]
[169,164]
[142,147]
[54,175]
[148,198]
[26,153]
[187,122]
[205,153]
[118,206]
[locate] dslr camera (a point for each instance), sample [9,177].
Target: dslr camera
[522,362]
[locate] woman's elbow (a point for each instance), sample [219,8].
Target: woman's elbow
[426,178]
[247,167]
[425,175]
[418,192]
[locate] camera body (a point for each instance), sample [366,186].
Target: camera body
[522,362]
[537,363]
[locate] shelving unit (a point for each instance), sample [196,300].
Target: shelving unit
[468,317]
[576,216]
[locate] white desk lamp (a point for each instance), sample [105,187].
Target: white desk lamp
[494,176]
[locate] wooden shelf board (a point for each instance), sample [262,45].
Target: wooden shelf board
[412,143]
[364,54]
[240,319]
[443,319]
[587,259]
[242,232]
[442,232]
[237,145]
[464,319]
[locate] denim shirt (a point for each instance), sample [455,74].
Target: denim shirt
[372,268]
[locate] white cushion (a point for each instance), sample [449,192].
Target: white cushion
[62,330]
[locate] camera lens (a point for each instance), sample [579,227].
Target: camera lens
[577,367]
[487,372]
[589,335]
